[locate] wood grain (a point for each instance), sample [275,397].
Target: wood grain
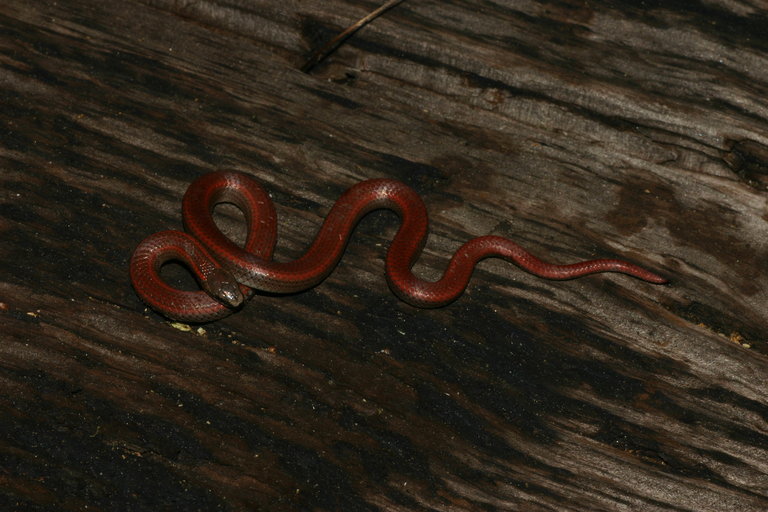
[579,129]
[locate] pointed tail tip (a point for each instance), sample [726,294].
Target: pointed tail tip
[656,279]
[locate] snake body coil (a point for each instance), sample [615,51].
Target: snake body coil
[229,274]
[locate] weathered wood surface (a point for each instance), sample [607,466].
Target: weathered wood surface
[580,129]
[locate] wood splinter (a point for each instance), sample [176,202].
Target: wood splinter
[334,43]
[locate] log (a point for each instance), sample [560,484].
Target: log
[580,130]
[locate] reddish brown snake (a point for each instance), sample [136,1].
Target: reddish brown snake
[229,274]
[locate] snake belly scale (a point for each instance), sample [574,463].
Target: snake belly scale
[229,274]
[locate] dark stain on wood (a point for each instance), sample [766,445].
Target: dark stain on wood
[749,160]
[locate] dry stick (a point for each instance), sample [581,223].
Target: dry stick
[336,41]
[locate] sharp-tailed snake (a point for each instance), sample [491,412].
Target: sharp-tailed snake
[229,274]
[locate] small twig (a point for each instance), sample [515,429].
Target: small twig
[323,52]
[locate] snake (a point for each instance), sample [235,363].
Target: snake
[229,274]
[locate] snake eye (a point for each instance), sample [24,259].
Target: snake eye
[220,285]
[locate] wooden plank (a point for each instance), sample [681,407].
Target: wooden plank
[605,129]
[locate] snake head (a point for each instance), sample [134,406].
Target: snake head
[222,286]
